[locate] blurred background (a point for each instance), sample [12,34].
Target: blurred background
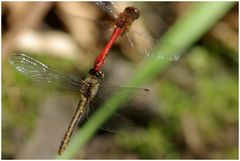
[193,109]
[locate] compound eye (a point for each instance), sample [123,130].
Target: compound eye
[133,12]
[92,72]
[100,75]
[96,73]
[136,13]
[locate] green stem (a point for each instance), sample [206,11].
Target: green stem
[186,31]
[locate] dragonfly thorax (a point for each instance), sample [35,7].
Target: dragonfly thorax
[92,82]
[90,88]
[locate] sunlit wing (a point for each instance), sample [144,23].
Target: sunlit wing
[40,72]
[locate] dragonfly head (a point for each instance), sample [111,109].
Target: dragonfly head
[132,12]
[97,73]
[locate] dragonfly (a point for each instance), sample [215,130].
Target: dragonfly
[88,88]
[138,42]
[122,22]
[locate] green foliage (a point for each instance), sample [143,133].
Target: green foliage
[149,144]
[212,107]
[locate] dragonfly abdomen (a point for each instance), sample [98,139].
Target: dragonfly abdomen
[83,102]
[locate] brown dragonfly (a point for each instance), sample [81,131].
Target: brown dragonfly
[87,88]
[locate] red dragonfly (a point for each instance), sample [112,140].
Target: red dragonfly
[123,21]
[140,41]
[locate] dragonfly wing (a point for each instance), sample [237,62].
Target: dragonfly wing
[109,89]
[101,23]
[130,41]
[118,122]
[40,72]
[136,46]
[122,120]
[109,8]
[170,51]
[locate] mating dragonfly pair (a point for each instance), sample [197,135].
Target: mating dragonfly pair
[87,88]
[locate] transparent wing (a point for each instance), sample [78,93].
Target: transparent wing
[106,24]
[137,44]
[109,89]
[109,8]
[42,73]
[122,120]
